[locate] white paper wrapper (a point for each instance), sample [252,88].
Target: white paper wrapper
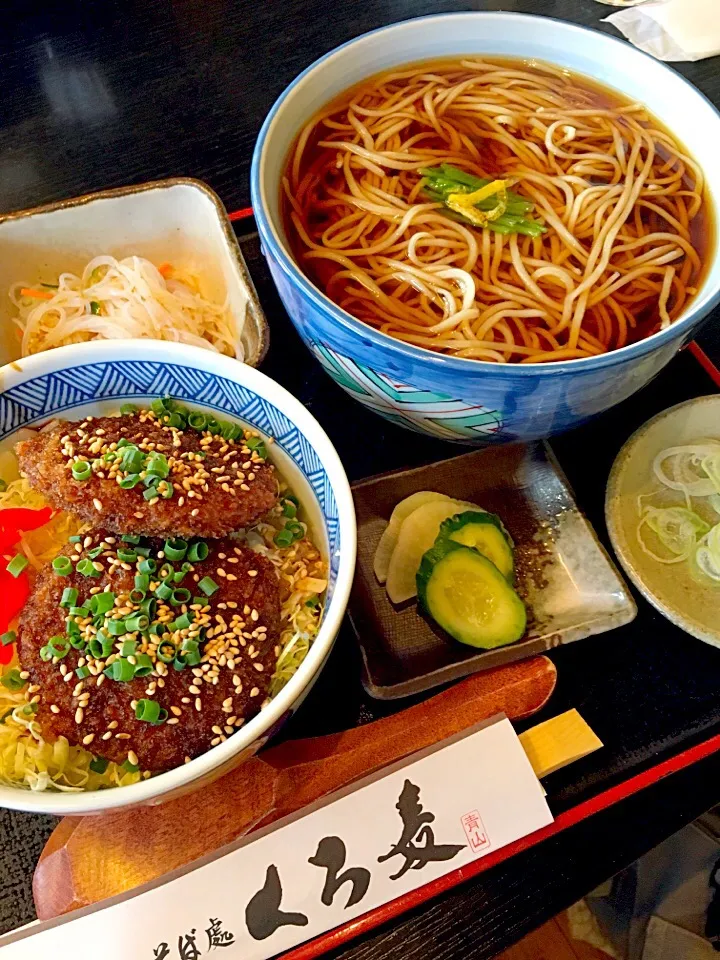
[672,29]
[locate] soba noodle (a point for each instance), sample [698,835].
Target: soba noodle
[621,203]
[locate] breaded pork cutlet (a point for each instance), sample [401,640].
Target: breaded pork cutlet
[137,473]
[218,619]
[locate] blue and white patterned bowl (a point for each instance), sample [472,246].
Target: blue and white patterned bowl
[468,400]
[96,378]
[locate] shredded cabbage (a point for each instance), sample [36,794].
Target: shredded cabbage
[124,299]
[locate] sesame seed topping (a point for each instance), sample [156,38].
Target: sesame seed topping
[172,721]
[88,739]
[54,708]
[255,692]
[97,504]
[198,704]
[79,714]
[132,758]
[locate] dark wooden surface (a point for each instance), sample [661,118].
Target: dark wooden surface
[107,93]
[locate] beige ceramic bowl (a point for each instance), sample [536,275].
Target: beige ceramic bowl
[692,602]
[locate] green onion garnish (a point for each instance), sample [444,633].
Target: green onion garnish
[147,607]
[180,595]
[283,538]
[143,665]
[81,470]
[102,603]
[157,464]
[7,638]
[17,565]
[80,611]
[69,597]
[147,710]
[163,591]
[122,670]
[147,565]
[129,767]
[129,481]
[137,622]
[198,551]
[75,538]
[59,646]
[82,672]
[184,621]
[116,628]
[132,538]
[87,568]
[12,680]
[94,307]
[197,421]
[175,549]
[151,493]
[95,552]
[100,764]
[128,408]
[128,648]
[166,651]
[208,586]
[62,566]
[289,509]
[126,555]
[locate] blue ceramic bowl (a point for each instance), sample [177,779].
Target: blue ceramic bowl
[468,400]
[94,379]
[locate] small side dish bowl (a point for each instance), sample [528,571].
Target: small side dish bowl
[178,220]
[475,401]
[687,601]
[95,379]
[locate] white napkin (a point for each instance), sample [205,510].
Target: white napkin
[672,29]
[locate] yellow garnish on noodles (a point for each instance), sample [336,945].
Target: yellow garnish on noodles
[465,203]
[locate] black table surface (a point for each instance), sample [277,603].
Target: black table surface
[102,94]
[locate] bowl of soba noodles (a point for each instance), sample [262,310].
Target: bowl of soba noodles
[490,226]
[177,546]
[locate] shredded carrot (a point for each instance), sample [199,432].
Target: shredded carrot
[37,294]
[165,269]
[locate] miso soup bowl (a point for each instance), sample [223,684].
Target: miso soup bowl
[96,378]
[467,400]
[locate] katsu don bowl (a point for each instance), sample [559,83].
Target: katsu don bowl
[177,546]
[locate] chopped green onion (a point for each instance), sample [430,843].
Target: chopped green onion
[184,621]
[208,586]
[197,421]
[99,764]
[157,464]
[212,426]
[17,565]
[198,551]
[81,470]
[142,582]
[123,442]
[129,481]
[163,591]
[7,638]
[180,595]
[4,716]
[75,538]
[69,597]
[147,710]
[87,569]
[94,307]
[137,622]
[147,607]
[175,549]
[128,408]
[12,680]
[45,654]
[283,538]
[95,552]
[116,628]
[166,489]
[177,420]
[133,538]
[82,672]
[128,648]
[201,601]
[143,665]
[166,651]
[165,571]
[132,459]
[150,494]
[126,555]
[289,509]
[59,646]
[129,767]
[101,603]
[77,641]
[122,670]
[179,663]
[62,566]
[313,602]
[80,611]
[147,565]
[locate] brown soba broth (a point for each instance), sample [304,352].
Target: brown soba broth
[588,229]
